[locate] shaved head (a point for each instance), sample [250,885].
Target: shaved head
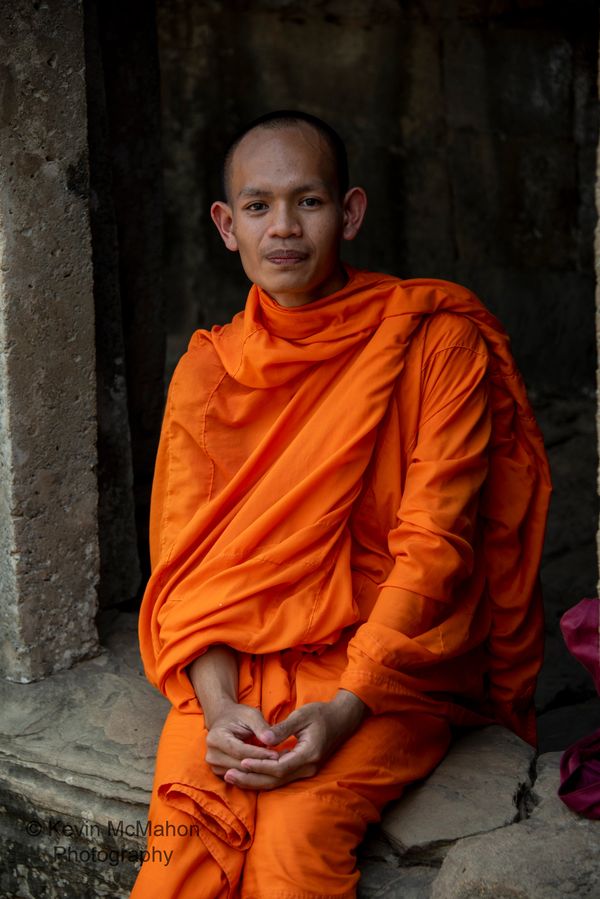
[288,118]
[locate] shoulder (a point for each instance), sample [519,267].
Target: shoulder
[197,372]
[446,331]
[454,318]
[200,353]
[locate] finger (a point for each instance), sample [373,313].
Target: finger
[253,720]
[288,762]
[277,733]
[227,743]
[215,758]
[251,781]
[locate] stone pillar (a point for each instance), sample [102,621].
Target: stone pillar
[48,493]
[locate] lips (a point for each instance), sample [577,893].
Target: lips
[286,257]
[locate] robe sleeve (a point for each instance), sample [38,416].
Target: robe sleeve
[415,622]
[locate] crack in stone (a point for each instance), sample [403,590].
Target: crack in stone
[527,796]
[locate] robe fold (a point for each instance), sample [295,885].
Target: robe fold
[353,494]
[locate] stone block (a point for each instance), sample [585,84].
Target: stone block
[548,315]
[572,500]
[500,80]
[550,855]
[379,880]
[76,760]
[477,788]
[531,199]
[546,804]
[563,680]
[48,497]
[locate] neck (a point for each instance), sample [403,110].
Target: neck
[334,283]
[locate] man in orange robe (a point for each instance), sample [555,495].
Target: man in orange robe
[347,521]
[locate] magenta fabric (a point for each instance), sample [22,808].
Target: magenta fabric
[580,776]
[581,631]
[580,763]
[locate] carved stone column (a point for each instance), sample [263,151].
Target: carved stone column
[48,493]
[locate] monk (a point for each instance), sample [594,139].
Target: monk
[347,522]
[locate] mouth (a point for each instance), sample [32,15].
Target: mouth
[286,257]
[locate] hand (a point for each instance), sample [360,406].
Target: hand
[233,735]
[319,728]
[233,729]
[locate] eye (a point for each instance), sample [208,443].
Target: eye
[311,202]
[256,207]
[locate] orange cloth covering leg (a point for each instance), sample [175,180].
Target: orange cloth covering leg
[303,835]
[348,494]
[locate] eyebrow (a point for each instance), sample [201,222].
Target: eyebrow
[302,188]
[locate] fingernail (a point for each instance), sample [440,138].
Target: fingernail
[230,778]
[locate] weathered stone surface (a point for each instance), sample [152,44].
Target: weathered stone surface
[117,735]
[551,855]
[48,495]
[78,748]
[569,566]
[477,788]
[380,880]
[571,502]
[560,727]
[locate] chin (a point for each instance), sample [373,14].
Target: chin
[289,281]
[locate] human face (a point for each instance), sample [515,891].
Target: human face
[285,215]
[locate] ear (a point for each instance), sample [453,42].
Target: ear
[354,206]
[222,216]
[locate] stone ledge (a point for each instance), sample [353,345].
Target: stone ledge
[77,752]
[550,855]
[477,788]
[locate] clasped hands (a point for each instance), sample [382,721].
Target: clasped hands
[241,745]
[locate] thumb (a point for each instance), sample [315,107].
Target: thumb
[258,723]
[280,732]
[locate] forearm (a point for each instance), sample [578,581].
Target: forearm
[214,677]
[351,708]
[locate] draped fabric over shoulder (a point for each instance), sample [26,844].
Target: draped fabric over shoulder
[352,494]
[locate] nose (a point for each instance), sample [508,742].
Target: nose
[285,221]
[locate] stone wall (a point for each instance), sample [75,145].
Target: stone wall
[48,495]
[472,124]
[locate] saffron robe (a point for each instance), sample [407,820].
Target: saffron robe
[349,494]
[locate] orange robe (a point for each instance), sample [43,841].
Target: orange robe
[350,494]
